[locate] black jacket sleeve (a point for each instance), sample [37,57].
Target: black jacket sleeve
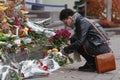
[82,27]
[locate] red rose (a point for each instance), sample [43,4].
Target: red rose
[22,48]
[32,42]
[22,75]
[40,63]
[29,30]
[45,68]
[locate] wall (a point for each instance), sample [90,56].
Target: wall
[70,4]
[53,12]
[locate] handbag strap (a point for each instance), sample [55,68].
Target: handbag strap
[98,31]
[84,46]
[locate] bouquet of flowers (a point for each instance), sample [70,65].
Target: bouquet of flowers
[58,57]
[60,38]
[17,34]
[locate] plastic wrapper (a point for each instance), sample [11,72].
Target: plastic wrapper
[39,29]
[30,68]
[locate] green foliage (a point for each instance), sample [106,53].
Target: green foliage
[40,39]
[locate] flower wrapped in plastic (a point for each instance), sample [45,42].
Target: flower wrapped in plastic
[29,68]
[17,33]
[59,57]
[41,67]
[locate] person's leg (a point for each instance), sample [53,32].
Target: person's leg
[90,61]
[89,66]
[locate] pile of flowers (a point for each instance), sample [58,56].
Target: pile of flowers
[12,29]
[52,62]
[60,38]
[18,34]
[61,59]
[29,68]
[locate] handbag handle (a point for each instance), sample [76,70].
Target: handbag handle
[98,31]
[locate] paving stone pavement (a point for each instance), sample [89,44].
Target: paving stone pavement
[70,72]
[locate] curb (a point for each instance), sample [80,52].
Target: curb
[112,31]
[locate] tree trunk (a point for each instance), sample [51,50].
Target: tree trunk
[109,7]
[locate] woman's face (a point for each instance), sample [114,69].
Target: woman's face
[68,21]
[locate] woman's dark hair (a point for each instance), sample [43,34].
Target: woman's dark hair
[65,13]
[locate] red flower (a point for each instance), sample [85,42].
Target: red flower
[22,75]
[57,36]
[16,22]
[40,63]
[29,30]
[50,40]
[32,42]
[45,68]
[22,48]
[60,38]
[63,32]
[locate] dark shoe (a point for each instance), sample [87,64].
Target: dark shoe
[87,68]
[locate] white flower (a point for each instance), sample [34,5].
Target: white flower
[9,45]
[27,40]
[17,41]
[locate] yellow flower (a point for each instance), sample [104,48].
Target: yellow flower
[2,7]
[24,12]
[26,30]
[1,4]
[26,19]
[49,51]
[8,34]
[4,20]
[1,31]
[55,49]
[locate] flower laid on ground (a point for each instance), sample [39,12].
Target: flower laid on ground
[18,34]
[58,57]
[60,38]
[15,34]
